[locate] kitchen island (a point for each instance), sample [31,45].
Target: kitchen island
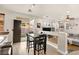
[61,44]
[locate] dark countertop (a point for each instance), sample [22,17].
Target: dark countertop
[4,33]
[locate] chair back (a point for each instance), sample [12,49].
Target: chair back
[40,43]
[41,39]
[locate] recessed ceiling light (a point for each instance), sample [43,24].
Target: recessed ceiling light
[29,10]
[67,11]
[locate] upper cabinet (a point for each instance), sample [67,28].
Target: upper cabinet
[72,26]
[1,22]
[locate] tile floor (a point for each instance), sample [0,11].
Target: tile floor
[21,49]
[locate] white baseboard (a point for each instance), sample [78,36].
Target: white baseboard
[52,44]
[64,53]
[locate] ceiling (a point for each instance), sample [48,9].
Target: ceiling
[55,10]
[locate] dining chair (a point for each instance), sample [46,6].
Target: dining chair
[30,42]
[40,44]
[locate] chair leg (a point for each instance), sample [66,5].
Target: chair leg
[28,50]
[34,52]
[28,47]
[11,50]
[44,52]
[27,44]
[45,49]
[34,49]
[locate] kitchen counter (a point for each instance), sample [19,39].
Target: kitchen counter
[61,44]
[3,37]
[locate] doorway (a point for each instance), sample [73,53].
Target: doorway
[17,31]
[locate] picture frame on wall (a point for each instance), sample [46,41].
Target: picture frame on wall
[61,26]
[38,25]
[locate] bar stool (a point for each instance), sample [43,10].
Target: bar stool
[40,44]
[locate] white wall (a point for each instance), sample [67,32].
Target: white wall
[8,21]
[55,11]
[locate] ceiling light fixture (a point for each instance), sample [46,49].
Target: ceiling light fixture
[68,15]
[29,10]
[33,5]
